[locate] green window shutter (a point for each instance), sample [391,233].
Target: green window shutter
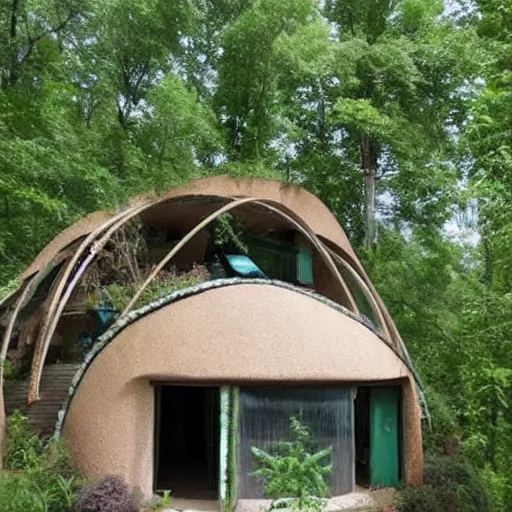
[304,266]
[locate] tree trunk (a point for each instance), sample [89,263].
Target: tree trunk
[368,164]
[13,33]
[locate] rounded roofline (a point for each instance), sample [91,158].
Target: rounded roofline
[303,203]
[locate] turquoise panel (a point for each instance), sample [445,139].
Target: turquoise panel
[384,436]
[304,266]
[244,266]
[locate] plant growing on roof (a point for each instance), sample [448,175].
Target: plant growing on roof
[124,260]
[293,476]
[165,283]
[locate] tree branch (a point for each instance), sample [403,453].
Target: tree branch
[14,18]
[32,41]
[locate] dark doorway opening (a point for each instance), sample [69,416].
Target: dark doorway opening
[362,428]
[187,435]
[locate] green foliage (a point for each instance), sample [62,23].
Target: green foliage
[103,100]
[21,492]
[443,436]
[229,233]
[24,450]
[164,284]
[163,503]
[427,499]
[499,490]
[290,471]
[9,288]
[38,475]
[10,371]
[451,483]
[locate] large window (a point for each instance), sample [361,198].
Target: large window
[265,418]
[282,261]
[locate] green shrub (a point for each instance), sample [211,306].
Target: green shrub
[10,371]
[36,492]
[451,484]
[496,485]
[291,471]
[457,473]
[108,495]
[427,499]
[443,436]
[165,283]
[38,476]
[24,450]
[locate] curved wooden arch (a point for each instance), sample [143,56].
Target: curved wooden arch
[373,303]
[12,321]
[48,327]
[28,292]
[57,306]
[65,289]
[224,209]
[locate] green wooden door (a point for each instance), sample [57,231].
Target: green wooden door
[384,436]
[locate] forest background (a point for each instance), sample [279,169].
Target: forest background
[396,113]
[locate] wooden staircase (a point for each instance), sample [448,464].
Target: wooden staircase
[42,415]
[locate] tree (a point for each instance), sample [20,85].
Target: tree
[247,94]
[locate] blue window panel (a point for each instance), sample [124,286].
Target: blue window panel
[304,266]
[244,266]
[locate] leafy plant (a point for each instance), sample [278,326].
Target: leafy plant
[443,436]
[25,450]
[292,475]
[427,499]
[8,288]
[162,503]
[38,476]
[229,233]
[164,284]
[451,483]
[10,371]
[108,495]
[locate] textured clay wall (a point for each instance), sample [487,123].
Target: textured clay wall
[412,436]
[242,333]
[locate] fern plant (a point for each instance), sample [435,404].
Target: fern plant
[293,476]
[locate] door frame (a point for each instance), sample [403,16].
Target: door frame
[157,401]
[229,441]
